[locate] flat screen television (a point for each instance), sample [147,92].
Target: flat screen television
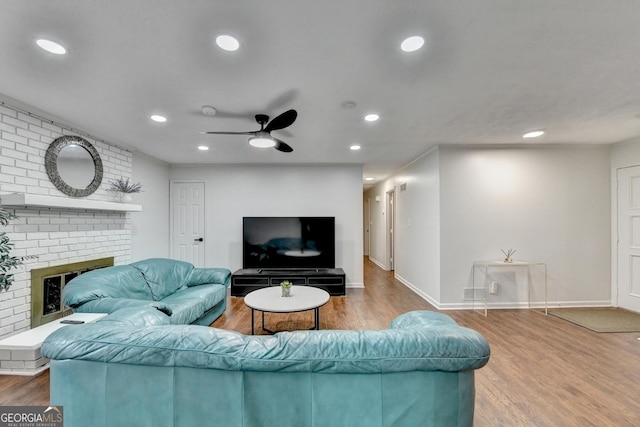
[288,242]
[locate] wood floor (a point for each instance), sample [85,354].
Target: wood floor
[543,371]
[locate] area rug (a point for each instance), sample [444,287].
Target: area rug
[608,319]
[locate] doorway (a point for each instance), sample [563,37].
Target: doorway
[628,268]
[391,222]
[187,221]
[367,224]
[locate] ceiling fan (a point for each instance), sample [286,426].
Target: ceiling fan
[262,138]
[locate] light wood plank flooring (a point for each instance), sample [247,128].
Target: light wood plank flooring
[543,371]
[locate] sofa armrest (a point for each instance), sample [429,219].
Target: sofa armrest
[421,319]
[449,348]
[206,276]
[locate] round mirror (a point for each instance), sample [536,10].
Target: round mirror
[74,166]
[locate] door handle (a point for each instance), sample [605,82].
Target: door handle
[199,239]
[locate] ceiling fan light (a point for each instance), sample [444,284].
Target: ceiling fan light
[262,141]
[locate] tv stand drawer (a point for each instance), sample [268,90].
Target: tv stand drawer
[298,281]
[331,280]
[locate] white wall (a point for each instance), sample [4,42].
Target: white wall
[235,191]
[551,204]
[150,228]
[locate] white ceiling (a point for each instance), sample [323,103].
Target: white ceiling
[490,71]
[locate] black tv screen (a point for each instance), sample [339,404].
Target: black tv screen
[288,242]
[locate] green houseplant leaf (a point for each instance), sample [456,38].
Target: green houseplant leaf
[8,262]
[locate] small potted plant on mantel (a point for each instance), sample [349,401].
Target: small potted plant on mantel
[125,189]
[8,262]
[286,288]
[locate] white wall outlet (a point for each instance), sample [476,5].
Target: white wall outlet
[493,289]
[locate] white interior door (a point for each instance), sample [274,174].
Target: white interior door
[187,222]
[629,238]
[391,223]
[367,224]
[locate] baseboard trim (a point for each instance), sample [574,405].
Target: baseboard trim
[378,263]
[525,305]
[417,291]
[500,305]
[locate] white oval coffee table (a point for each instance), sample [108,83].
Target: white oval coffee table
[270,300]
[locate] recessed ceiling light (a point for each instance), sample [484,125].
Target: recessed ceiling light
[355,147]
[203,148]
[371,117]
[369,179]
[533,134]
[51,46]
[158,118]
[228,43]
[412,44]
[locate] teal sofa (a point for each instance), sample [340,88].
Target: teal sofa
[134,368]
[189,295]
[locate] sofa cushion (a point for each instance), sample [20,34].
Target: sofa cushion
[121,282]
[136,316]
[111,305]
[189,304]
[164,276]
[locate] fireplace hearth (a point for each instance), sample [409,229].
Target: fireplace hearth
[47,284]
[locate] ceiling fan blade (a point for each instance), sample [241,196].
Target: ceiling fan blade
[229,133]
[282,146]
[282,121]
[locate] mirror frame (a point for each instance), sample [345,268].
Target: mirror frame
[51,165]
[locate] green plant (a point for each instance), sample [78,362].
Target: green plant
[122,185]
[286,284]
[7,262]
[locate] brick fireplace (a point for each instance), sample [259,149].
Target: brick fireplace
[57,235]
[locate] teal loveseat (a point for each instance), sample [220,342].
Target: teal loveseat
[134,368]
[189,295]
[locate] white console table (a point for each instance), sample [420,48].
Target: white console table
[20,353]
[480,273]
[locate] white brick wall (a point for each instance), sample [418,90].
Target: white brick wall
[57,236]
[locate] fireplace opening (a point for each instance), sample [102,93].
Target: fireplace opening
[47,284]
[52,295]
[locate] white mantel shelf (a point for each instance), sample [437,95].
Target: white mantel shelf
[39,201]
